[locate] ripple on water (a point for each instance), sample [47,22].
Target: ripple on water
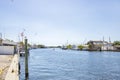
[48,64]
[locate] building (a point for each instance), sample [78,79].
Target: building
[8,47]
[100,45]
[9,43]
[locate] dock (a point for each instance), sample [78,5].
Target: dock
[9,60]
[9,67]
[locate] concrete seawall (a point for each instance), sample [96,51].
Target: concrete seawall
[13,71]
[5,61]
[9,67]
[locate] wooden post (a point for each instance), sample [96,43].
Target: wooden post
[26,61]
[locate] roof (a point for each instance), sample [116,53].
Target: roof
[9,42]
[97,42]
[117,46]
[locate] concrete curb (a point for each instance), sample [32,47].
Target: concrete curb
[13,71]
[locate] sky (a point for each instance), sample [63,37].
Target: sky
[56,22]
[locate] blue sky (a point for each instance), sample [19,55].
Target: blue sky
[53,22]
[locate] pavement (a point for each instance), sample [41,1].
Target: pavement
[5,61]
[13,71]
[9,67]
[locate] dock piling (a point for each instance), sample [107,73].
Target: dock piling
[26,61]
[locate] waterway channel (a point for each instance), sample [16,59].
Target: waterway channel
[57,64]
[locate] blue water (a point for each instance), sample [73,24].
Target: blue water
[49,64]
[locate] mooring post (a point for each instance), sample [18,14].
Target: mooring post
[26,61]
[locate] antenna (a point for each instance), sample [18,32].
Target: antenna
[4,35]
[84,41]
[109,39]
[103,39]
[67,42]
[1,35]
[18,38]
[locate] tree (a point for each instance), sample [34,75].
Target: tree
[69,46]
[40,46]
[116,43]
[80,47]
[21,43]
[29,45]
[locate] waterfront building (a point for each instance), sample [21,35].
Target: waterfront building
[8,47]
[100,45]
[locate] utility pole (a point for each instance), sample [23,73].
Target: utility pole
[103,39]
[26,61]
[109,40]
[0,38]
[103,43]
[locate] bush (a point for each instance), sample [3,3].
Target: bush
[80,47]
[116,43]
[69,46]
[40,46]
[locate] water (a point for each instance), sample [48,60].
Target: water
[49,64]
